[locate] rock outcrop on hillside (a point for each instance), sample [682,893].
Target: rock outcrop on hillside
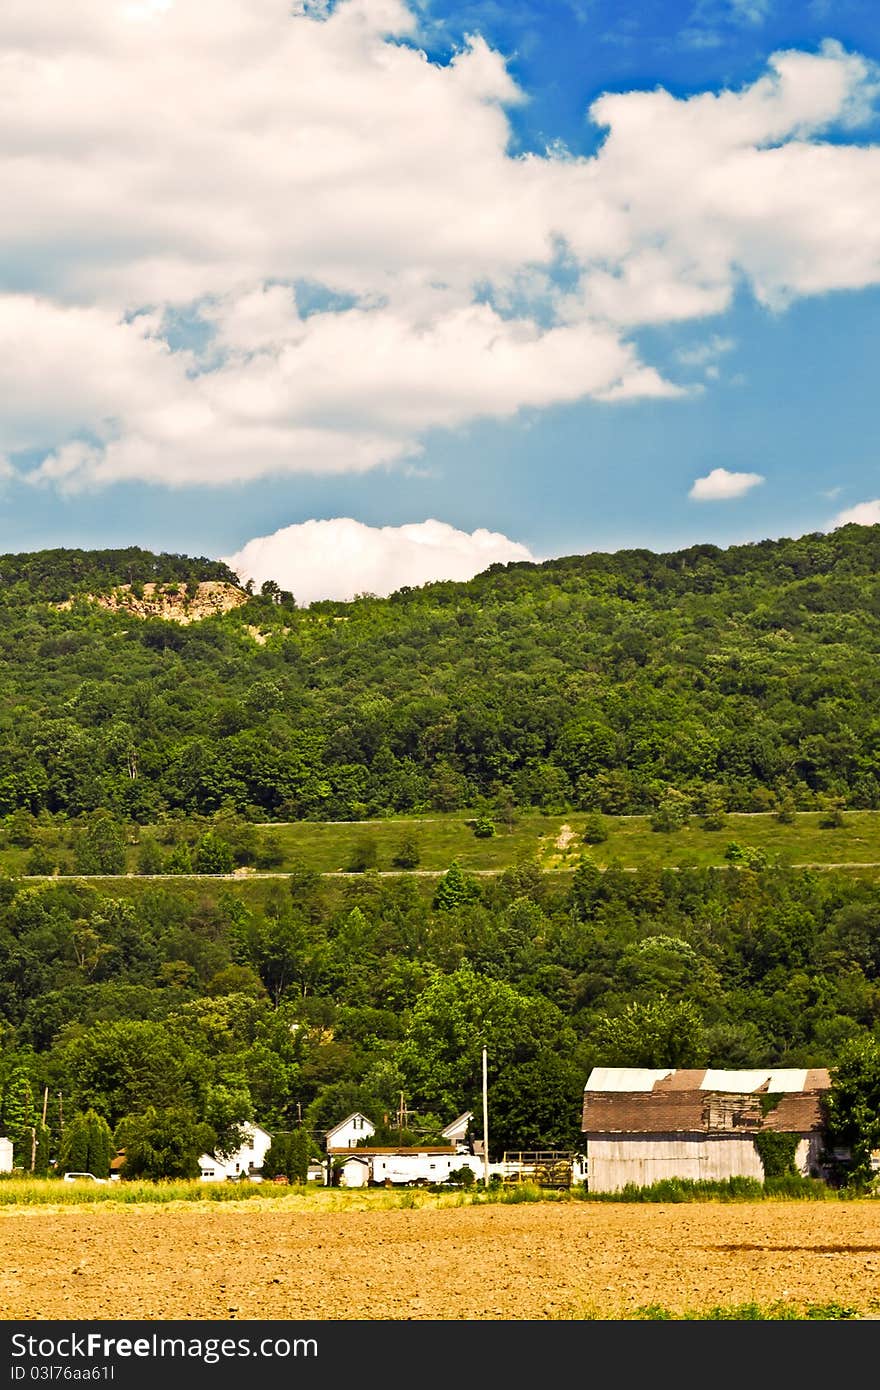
[176,603]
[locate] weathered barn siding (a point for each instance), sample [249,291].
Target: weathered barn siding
[614,1162]
[643,1160]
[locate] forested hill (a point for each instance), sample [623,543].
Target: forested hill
[746,676]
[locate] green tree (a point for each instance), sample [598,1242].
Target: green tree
[17,1115]
[213,855]
[43,1154]
[853,1105]
[87,1145]
[659,1033]
[100,848]
[535,1086]
[123,1066]
[672,811]
[595,830]
[179,860]
[407,855]
[163,1143]
[289,1156]
[150,858]
[455,889]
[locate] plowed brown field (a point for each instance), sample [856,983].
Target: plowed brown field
[545,1260]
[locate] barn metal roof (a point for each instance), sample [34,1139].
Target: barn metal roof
[775,1080]
[704,1101]
[624,1078]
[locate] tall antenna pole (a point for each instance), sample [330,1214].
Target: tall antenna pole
[485,1124]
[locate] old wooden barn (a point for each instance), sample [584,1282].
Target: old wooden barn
[642,1125]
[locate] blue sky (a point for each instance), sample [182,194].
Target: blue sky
[390,264]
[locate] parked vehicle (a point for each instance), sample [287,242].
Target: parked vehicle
[80,1177]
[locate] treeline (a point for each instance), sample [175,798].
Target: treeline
[55,575]
[174,1010]
[740,679]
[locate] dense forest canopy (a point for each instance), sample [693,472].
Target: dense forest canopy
[739,679]
[746,675]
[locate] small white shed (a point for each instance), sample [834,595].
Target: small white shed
[354,1171]
[5,1155]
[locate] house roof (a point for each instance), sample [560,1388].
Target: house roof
[703,1101]
[255,1129]
[399,1151]
[355,1115]
[460,1121]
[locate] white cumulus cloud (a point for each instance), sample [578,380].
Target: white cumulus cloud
[251,238]
[340,558]
[720,484]
[863,514]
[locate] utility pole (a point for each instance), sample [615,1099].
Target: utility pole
[485,1124]
[33,1147]
[45,1101]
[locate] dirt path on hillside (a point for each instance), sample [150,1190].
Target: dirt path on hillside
[528,1261]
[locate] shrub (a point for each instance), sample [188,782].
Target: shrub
[464,1176]
[364,855]
[672,813]
[595,830]
[213,855]
[407,855]
[748,855]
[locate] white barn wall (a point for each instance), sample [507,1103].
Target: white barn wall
[612,1163]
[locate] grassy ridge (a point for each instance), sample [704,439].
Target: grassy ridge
[556,842]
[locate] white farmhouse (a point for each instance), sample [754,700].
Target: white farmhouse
[347,1133]
[456,1131]
[245,1162]
[5,1155]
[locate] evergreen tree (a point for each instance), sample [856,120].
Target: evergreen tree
[299,1153]
[455,889]
[87,1146]
[17,1116]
